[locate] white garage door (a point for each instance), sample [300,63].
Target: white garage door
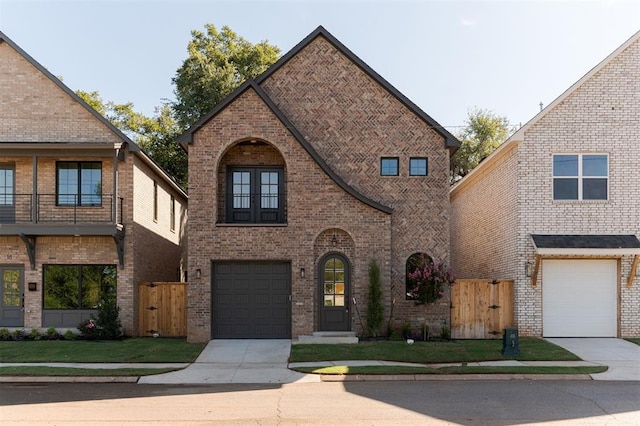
[579,298]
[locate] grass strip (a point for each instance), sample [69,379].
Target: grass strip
[66,371]
[131,350]
[401,370]
[531,349]
[635,340]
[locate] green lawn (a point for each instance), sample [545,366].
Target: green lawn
[635,340]
[139,349]
[531,349]
[61,371]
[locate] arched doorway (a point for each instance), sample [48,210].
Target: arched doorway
[334,285]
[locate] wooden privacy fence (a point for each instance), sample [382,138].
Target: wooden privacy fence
[481,309]
[162,309]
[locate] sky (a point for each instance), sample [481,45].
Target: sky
[448,57]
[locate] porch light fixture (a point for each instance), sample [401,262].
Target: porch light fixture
[334,240]
[302,272]
[198,273]
[528,269]
[33,286]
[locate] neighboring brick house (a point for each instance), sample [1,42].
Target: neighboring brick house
[82,208]
[557,208]
[297,181]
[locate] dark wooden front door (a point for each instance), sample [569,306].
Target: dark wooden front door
[251,300]
[11,296]
[334,290]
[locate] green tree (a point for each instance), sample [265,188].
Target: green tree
[156,135]
[484,131]
[218,62]
[375,310]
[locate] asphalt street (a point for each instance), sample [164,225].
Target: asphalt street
[351,403]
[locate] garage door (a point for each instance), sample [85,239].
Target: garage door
[579,298]
[251,300]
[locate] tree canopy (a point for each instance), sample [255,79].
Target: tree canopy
[218,62]
[156,135]
[484,131]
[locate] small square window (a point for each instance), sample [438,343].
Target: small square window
[389,166]
[418,166]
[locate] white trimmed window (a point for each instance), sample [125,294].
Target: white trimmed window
[580,177]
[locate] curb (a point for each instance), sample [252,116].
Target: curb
[445,377]
[69,379]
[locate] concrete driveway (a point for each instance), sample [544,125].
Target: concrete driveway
[237,361]
[622,357]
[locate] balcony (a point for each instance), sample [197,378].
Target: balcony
[30,216]
[43,214]
[46,209]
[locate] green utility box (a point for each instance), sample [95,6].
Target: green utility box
[510,343]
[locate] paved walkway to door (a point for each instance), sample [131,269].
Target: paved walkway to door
[237,361]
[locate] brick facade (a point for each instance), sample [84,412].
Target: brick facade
[350,120]
[41,124]
[509,196]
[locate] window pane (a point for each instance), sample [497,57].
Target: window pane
[418,167]
[594,165]
[67,183]
[61,287]
[565,165]
[241,190]
[6,186]
[565,189]
[269,190]
[11,288]
[328,301]
[328,288]
[389,167]
[594,189]
[98,281]
[339,301]
[91,183]
[340,288]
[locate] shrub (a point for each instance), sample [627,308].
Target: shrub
[89,329]
[34,334]
[375,310]
[52,334]
[405,330]
[445,333]
[108,321]
[5,334]
[18,335]
[70,335]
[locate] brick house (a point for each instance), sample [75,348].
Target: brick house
[82,208]
[556,208]
[297,181]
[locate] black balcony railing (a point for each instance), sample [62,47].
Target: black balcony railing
[61,209]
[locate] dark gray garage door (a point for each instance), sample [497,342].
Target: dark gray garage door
[251,300]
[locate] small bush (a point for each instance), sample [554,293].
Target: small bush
[5,334]
[445,333]
[52,334]
[70,335]
[405,330]
[18,335]
[34,334]
[89,329]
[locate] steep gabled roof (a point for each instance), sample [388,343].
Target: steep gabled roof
[518,136]
[187,138]
[133,147]
[451,142]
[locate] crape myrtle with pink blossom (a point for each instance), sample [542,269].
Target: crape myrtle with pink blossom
[429,280]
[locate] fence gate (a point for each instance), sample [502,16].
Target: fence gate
[481,309]
[162,309]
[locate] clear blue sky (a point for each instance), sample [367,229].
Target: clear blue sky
[446,56]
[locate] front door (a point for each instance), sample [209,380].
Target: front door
[11,296]
[334,293]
